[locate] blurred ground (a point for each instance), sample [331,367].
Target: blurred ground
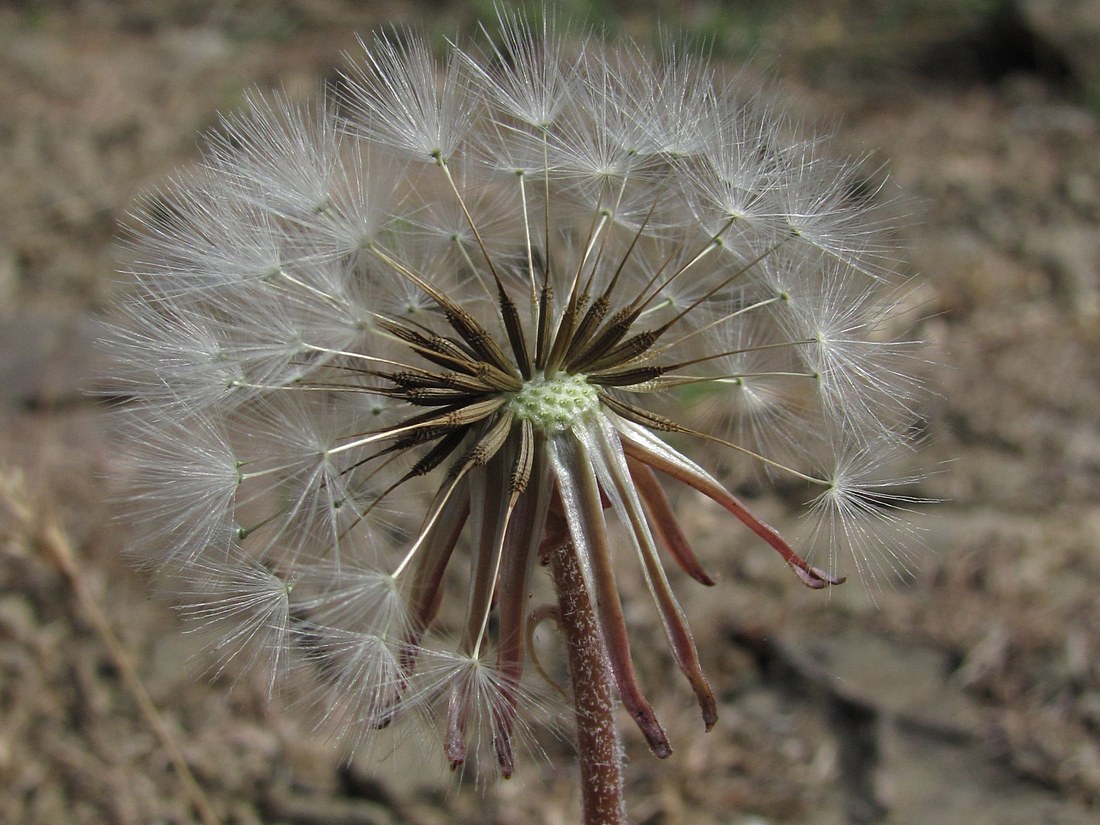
[969,693]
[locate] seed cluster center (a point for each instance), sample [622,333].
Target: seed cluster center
[555,404]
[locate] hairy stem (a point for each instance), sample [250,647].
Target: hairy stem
[598,747]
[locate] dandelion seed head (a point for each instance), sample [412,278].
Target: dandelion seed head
[385,356]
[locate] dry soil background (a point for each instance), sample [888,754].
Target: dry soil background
[969,693]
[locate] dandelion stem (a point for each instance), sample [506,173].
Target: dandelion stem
[598,745]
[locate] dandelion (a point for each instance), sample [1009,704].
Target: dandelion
[441,346]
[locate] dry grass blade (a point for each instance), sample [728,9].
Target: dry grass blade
[46,535]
